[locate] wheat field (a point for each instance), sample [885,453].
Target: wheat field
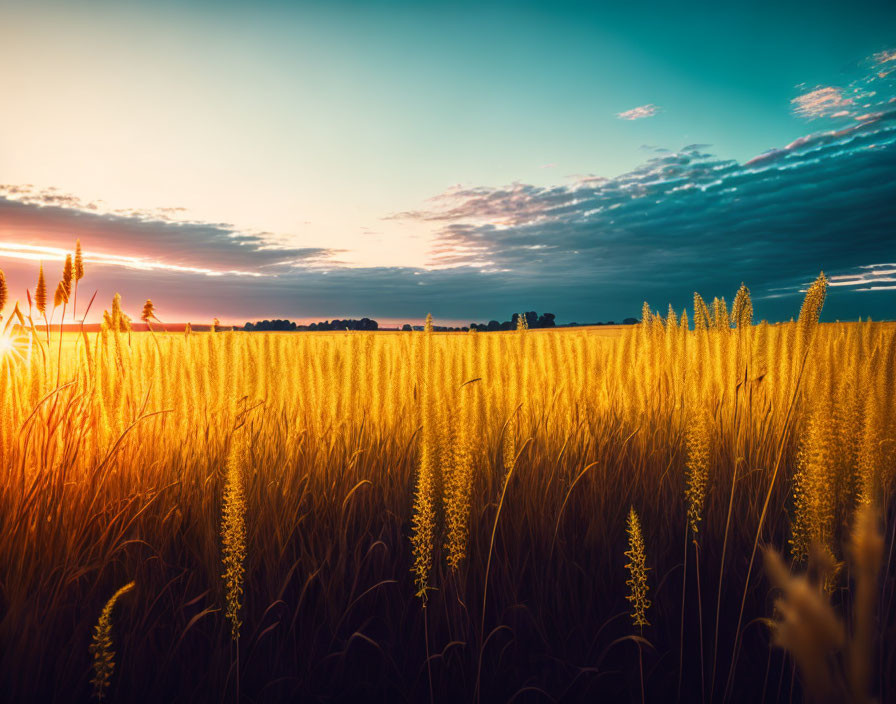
[563,515]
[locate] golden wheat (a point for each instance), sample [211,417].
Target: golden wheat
[404,442]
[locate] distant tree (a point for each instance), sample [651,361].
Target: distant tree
[546,320]
[630,321]
[406,328]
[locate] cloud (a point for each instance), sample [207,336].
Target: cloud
[821,102]
[863,97]
[688,220]
[639,112]
[45,226]
[867,278]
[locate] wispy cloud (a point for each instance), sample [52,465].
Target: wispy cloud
[44,225]
[862,98]
[867,278]
[639,112]
[821,102]
[29,194]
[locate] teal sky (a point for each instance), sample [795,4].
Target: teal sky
[310,124]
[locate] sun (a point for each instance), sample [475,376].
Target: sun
[13,345]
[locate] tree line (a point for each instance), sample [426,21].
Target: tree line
[281,325]
[533,321]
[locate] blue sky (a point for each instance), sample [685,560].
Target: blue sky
[385,159]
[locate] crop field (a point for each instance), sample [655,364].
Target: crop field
[694,508]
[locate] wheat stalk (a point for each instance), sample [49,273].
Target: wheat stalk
[637,567]
[101,647]
[233,534]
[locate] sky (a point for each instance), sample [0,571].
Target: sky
[317,160]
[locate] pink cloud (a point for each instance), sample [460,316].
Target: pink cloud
[639,112]
[822,102]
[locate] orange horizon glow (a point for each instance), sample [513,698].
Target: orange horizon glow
[41,253]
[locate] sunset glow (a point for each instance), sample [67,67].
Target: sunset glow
[27,252]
